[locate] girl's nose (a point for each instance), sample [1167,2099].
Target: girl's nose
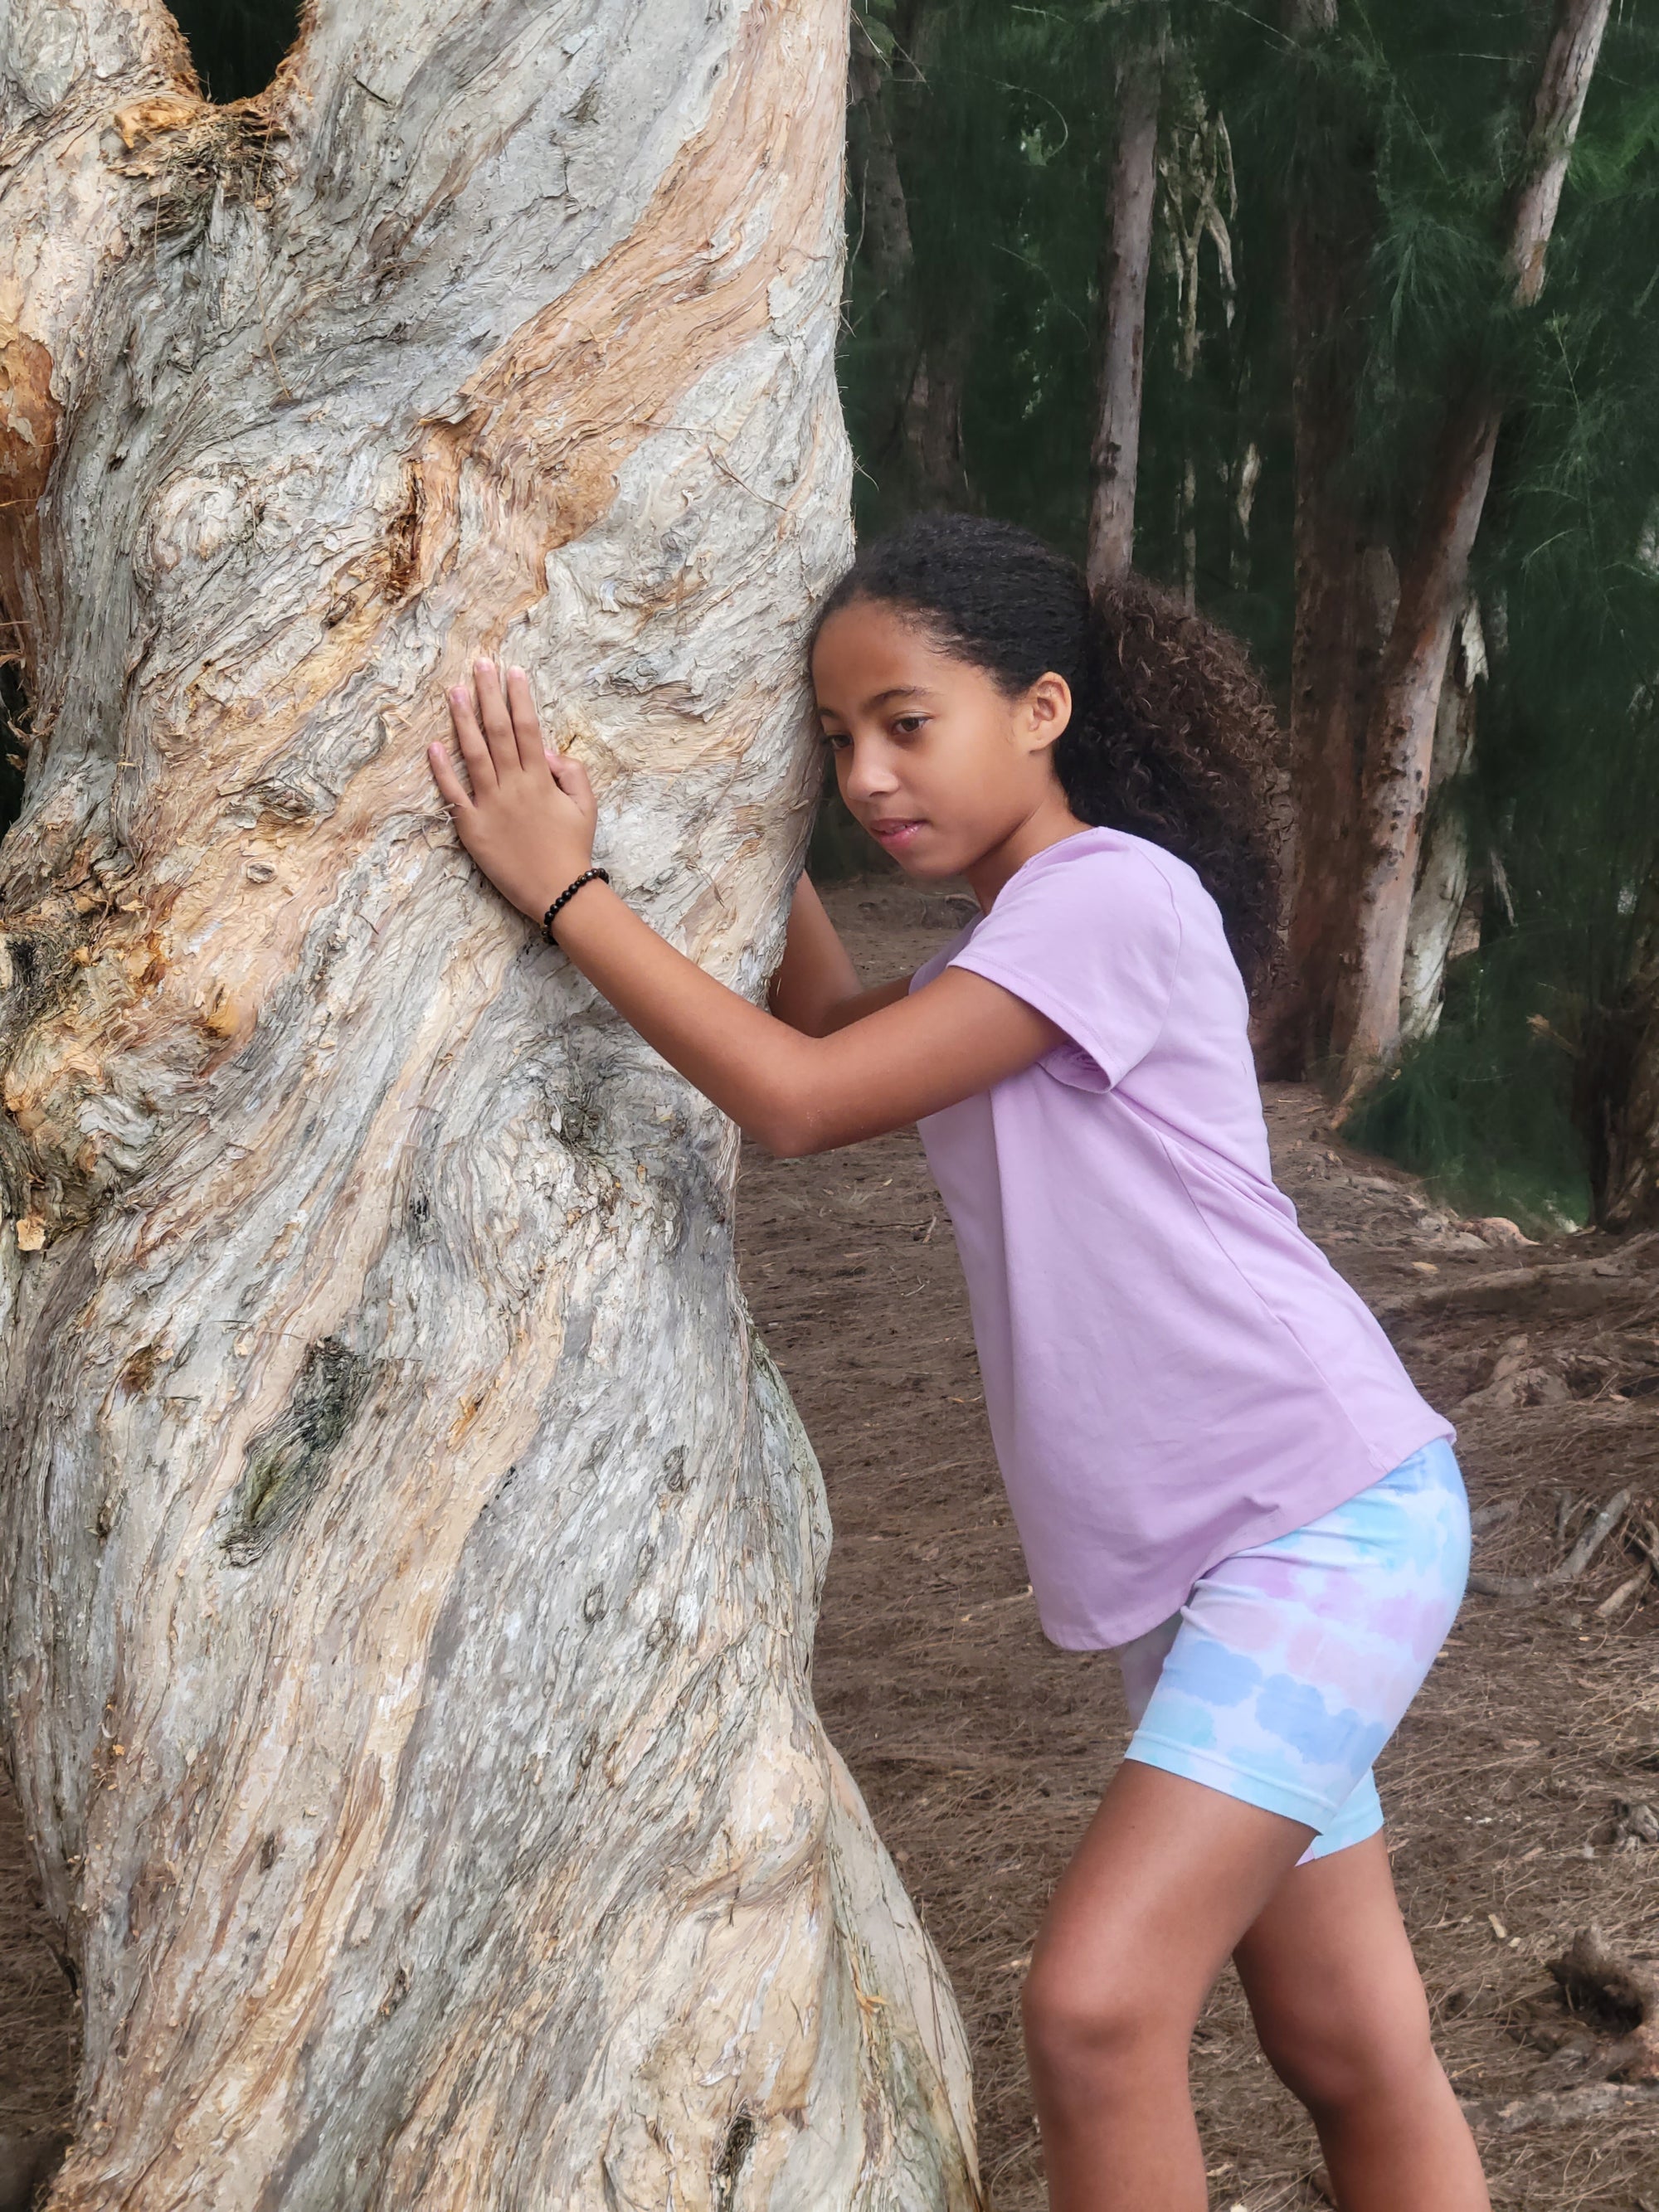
[867,777]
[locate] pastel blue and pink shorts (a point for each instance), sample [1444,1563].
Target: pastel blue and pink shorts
[1291,1664]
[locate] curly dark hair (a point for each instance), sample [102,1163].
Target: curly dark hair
[1172,737]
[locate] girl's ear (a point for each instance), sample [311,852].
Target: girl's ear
[1046,710]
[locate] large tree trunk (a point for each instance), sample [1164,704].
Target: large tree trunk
[410,1554]
[1434,580]
[1114,458]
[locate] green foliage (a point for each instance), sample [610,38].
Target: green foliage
[1511,1091]
[1483,1109]
[1405,124]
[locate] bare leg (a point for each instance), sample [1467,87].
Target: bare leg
[1340,2011]
[1168,1876]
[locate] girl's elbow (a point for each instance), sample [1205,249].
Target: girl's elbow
[790,1129]
[786,1137]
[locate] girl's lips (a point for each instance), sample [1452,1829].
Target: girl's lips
[896,832]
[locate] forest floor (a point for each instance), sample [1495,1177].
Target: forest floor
[1523,1791]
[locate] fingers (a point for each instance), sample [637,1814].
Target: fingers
[501,735]
[470,738]
[494,713]
[570,776]
[507,717]
[450,787]
[521,710]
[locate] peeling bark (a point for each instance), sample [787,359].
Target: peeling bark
[409,1555]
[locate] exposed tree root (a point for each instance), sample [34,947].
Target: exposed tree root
[1558,2108]
[1487,1518]
[1570,1568]
[1571,1286]
[1596,1980]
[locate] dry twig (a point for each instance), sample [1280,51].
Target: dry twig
[1570,1568]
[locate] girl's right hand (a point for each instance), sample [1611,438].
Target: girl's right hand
[529,816]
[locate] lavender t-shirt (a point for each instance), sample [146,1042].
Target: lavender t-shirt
[1172,1369]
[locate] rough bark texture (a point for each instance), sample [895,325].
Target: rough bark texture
[1115,455]
[1434,578]
[408,1554]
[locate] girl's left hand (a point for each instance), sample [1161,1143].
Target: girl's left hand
[528,820]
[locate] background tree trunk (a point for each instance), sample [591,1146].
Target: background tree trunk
[881,223]
[409,1552]
[1621,1081]
[1434,580]
[1138,80]
[1441,896]
[1344,577]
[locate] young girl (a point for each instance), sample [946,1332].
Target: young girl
[1218,1466]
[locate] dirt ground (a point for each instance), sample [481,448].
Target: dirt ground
[1522,1792]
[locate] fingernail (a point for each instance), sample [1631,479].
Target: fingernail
[515,670]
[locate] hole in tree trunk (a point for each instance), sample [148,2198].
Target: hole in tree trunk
[14,724]
[237,43]
[739,2142]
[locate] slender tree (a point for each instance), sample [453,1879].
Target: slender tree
[1137,81]
[1199,195]
[408,1552]
[1440,900]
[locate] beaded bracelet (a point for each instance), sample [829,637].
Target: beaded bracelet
[568,891]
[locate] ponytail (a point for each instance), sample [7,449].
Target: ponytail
[1172,736]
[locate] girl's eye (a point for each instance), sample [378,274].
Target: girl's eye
[834,738]
[909,724]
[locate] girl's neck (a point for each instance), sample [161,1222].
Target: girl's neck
[1052,820]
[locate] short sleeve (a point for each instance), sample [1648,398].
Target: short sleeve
[1093,940]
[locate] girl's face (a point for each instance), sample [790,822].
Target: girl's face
[938,764]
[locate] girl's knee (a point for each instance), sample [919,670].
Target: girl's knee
[1078,2033]
[1335,2071]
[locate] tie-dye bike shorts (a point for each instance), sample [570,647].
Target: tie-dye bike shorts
[1290,1665]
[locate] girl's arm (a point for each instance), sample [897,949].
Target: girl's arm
[528,822]
[817,987]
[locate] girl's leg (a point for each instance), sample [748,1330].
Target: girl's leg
[1340,2011]
[1170,1875]
[1258,1709]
